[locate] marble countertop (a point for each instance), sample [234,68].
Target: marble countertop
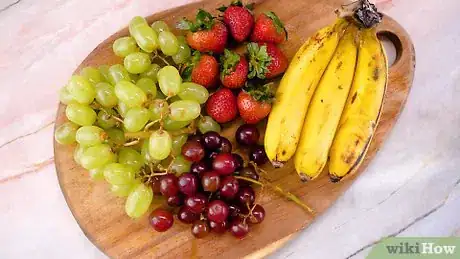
[410,189]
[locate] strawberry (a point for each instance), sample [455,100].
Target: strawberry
[234,70]
[269,28]
[254,103]
[206,34]
[221,105]
[239,20]
[202,69]
[266,60]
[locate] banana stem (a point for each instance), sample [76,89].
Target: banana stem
[280,191]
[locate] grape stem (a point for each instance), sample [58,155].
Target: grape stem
[280,191]
[150,124]
[132,143]
[156,55]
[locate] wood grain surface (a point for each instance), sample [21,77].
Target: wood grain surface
[101,215]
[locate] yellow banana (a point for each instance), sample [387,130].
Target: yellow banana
[326,107]
[363,108]
[295,91]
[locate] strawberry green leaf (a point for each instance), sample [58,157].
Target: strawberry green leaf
[277,22]
[259,60]
[259,91]
[204,20]
[222,8]
[228,61]
[250,6]
[237,3]
[184,24]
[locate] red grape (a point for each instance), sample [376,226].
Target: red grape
[257,215]
[246,195]
[176,200]
[212,155]
[200,229]
[247,135]
[199,168]
[210,181]
[193,151]
[239,162]
[161,220]
[185,215]
[239,228]
[249,172]
[229,187]
[217,211]
[211,140]
[196,203]
[234,210]
[156,185]
[188,184]
[169,185]
[218,227]
[225,145]
[224,164]
[195,138]
[258,155]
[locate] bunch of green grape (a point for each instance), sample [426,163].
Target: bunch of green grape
[126,129]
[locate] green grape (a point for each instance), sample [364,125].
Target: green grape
[159,108]
[135,22]
[104,70]
[159,26]
[116,173]
[180,165]
[207,123]
[160,143]
[138,201]
[130,94]
[116,137]
[183,54]
[145,37]
[118,73]
[96,156]
[168,43]
[148,86]
[90,136]
[105,119]
[97,174]
[177,143]
[92,74]
[129,156]
[137,62]
[65,134]
[152,72]
[193,92]
[123,190]
[124,46]
[80,114]
[135,119]
[64,96]
[184,110]
[146,155]
[122,109]
[105,95]
[169,80]
[81,89]
[77,153]
[170,124]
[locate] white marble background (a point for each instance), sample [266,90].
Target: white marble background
[410,189]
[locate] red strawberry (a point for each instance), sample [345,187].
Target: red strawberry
[202,69]
[254,104]
[221,106]
[269,28]
[206,34]
[239,20]
[266,60]
[234,71]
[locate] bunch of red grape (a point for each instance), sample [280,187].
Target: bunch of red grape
[210,197]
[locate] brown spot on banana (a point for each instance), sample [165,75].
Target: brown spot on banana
[376,74]
[304,178]
[353,98]
[334,178]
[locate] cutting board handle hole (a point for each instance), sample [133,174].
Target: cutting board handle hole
[392,45]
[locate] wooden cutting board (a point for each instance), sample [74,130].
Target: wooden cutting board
[101,215]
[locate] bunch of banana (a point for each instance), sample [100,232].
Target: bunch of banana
[329,100]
